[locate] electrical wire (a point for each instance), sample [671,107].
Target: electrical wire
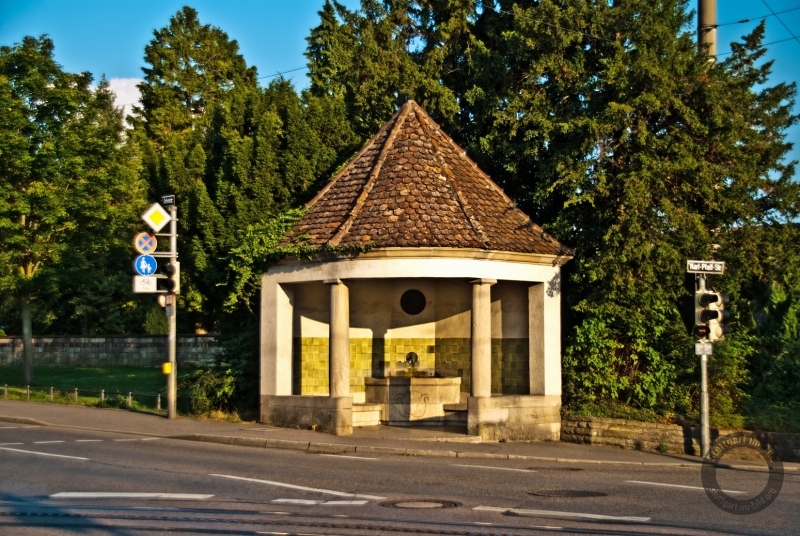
[779,20]
[774,14]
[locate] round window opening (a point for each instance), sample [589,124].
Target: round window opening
[413,302]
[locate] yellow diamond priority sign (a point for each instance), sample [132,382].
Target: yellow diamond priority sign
[156,217]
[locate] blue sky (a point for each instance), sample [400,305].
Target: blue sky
[108,36]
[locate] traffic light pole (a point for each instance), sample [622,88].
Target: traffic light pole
[705,435]
[172,377]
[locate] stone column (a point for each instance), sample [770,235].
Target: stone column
[544,326]
[277,304]
[339,342]
[481,366]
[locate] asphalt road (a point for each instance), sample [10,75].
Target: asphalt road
[50,478]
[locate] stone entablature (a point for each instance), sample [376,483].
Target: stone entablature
[110,350]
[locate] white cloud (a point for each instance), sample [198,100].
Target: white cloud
[127,94]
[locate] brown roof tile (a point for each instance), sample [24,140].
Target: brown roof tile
[412,186]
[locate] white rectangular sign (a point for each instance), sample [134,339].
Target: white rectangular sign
[703,348]
[144,284]
[705,267]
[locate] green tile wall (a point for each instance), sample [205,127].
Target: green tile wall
[372,357]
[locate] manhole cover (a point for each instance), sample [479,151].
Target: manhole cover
[555,469]
[420,503]
[568,493]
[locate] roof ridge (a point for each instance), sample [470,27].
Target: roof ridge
[476,226]
[362,198]
[346,165]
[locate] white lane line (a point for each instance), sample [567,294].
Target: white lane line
[492,467]
[310,502]
[302,488]
[553,513]
[8,427]
[45,442]
[45,454]
[678,486]
[123,495]
[150,439]
[353,457]
[125,440]
[12,443]
[88,440]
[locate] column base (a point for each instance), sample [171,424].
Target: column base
[515,418]
[320,413]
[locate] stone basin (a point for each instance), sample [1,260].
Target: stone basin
[412,400]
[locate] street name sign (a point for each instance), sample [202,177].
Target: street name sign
[145,265]
[705,267]
[156,217]
[144,284]
[703,348]
[145,243]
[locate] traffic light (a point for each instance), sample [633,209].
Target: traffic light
[173,272]
[710,313]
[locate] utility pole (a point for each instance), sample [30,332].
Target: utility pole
[707,27]
[172,378]
[705,432]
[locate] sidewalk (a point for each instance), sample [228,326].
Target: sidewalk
[371,440]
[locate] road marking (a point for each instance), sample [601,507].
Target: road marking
[553,513]
[45,442]
[353,457]
[125,440]
[12,443]
[8,427]
[313,502]
[492,467]
[123,495]
[302,488]
[678,486]
[45,454]
[88,440]
[150,439]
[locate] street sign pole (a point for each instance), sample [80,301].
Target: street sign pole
[172,378]
[705,435]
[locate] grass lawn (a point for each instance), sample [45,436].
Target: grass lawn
[124,379]
[90,381]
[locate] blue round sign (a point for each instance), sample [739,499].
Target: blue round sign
[145,265]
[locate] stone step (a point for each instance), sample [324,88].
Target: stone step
[367,414]
[456,416]
[455,407]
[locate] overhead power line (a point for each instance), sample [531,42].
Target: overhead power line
[774,14]
[779,20]
[283,73]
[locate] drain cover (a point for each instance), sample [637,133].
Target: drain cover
[420,503]
[555,469]
[568,493]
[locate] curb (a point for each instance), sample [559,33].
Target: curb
[334,448]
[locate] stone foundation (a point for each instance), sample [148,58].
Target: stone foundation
[321,413]
[515,418]
[675,439]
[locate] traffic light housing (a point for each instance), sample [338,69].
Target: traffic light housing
[173,273]
[710,313]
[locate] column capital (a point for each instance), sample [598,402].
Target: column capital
[333,281]
[483,281]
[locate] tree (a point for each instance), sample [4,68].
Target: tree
[62,168]
[605,123]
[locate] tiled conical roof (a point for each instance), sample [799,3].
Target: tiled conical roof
[412,186]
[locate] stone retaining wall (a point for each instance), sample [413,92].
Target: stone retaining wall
[109,350]
[677,439]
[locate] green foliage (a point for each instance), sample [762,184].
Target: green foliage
[156,322]
[67,198]
[209,390]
